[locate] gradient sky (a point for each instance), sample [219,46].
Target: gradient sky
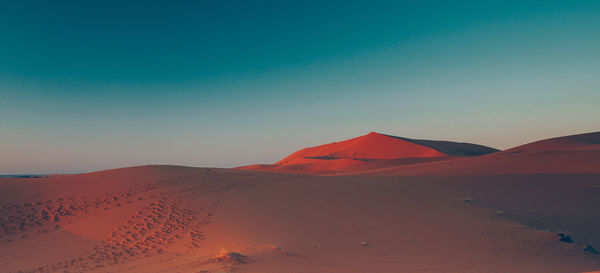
[91,85]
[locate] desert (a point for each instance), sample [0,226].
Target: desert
[152,136]
[528,209]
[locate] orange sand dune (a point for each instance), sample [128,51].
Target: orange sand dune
[368,152]
[581,142]
[369,146]
[179,219]
[528,209]
[570,154]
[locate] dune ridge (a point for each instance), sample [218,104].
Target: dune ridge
[568,154]
[369,151]
[579,142]
[182,219]
[531,209]
[403,156]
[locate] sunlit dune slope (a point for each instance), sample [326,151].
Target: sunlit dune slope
[99,221]
[373,150]
[180,219]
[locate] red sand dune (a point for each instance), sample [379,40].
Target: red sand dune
[370,151]
[177,219]
[533,210]
[569,154]
[367,155]
[581,142]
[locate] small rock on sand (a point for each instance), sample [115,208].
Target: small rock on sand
[591,249]
[565,237]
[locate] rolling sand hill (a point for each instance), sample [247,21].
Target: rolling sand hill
[371,151]
[481,214]
[569,154]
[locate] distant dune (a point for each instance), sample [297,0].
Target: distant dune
[581,142]
[569,154]
[371,151]
[382,154]
[533,208]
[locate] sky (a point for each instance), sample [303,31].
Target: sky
[92,85]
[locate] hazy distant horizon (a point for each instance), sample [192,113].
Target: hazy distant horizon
[92,86]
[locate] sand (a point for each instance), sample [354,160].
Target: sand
[369,152]
[528,211]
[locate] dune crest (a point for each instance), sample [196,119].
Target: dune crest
[401,205]
[568,154]
[579,142]
[373,150]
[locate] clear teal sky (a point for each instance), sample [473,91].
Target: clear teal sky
[90,85]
